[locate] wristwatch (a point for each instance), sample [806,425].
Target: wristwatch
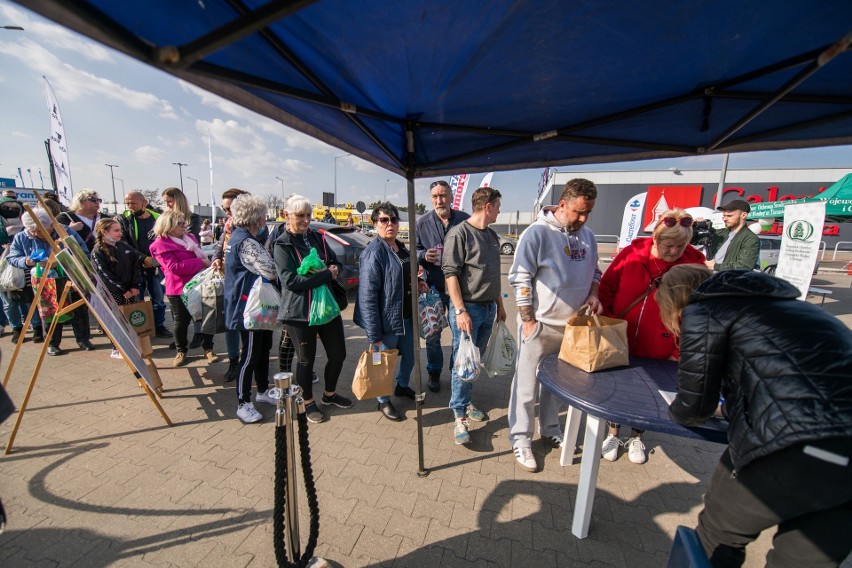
[459,310]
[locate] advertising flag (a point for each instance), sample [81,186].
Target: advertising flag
[458,185]
[58,147]
[631,223]
[803,224]
[210,160]
[486,181]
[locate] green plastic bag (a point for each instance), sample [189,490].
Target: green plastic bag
[324,308]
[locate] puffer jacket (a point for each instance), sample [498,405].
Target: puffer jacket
[296,289]
[783,366]
[380,292]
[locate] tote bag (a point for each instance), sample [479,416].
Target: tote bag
[373,380]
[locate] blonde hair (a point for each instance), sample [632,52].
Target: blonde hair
[675,291]
[181,203]
[80,196]
[678,233]
[167,222]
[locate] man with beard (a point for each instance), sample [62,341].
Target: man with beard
[136,225]
[432,228]
[735,246]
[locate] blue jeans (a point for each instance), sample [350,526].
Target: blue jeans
[434,353]
[232,343]
[482,319]
[16,313]
[153,284]
[405,344]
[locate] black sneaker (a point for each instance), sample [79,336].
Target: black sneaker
[434,382]
[196,342]
[53,350]
[336,400]
[231,373]
[16,333]
[38,336]
[406,392]
[161,331]
[314,414]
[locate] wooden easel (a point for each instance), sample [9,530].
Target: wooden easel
[64,308]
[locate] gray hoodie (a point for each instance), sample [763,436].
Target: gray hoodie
[554,268]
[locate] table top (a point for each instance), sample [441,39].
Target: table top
[626,395]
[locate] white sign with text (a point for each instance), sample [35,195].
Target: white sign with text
[803,224]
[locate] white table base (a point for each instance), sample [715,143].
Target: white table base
[589,465]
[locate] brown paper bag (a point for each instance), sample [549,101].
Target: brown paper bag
[141,317]
[371,380]
[594,343]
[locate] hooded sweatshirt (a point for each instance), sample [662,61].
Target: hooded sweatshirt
[554,268]
[628,277]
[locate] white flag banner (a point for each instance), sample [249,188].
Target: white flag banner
[486,181]
[803,223]
[631,223]
[210,160]
[458,185]
[58,147]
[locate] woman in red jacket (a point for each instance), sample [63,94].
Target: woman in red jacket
[628,291]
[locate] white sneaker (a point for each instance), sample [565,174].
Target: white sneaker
[116,354]
[525,458]
[609,448]
[265,397]
[636,450]
[247,413]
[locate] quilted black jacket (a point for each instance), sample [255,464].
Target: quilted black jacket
[783,366]
[296,290]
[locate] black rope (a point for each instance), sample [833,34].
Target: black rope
[280,488]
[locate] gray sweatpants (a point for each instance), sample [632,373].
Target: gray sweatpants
[544,340]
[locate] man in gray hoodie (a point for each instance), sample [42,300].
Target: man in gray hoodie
[554,273]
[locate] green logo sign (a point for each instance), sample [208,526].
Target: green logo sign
[800,231]
[137,318]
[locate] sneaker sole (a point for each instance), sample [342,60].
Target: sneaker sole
[484,419]
[312,421]
[462,443]
[324,403]
[525,467]
[251,421]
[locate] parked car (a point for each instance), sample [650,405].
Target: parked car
[508,245]
[770,249]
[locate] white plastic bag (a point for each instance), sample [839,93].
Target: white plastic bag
[11,277]
[191,294]
[261,311]
[467,360]
[499,358]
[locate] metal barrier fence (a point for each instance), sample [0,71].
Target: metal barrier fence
[836,247]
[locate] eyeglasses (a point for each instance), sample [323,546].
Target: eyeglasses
[181,224]
[671,221]
[94,199]
[386,220]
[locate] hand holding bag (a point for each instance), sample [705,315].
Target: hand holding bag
[191,294]
[371,380]
[467,360]
[594,343]
[499,358]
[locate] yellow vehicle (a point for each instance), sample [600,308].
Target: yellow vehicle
[340,214]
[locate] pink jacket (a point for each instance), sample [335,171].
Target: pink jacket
[178,264]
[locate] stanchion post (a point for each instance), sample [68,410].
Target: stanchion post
[284,418]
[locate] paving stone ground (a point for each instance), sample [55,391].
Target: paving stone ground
[97,479]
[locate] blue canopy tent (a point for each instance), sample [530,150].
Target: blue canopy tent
[426,88]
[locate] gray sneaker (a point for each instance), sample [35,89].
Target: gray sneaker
[475,414]
[314,414]
[460,434]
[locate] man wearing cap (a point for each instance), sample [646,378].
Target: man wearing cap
[734,247]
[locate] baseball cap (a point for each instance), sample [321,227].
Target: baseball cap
[736,204]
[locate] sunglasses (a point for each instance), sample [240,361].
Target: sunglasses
[95,199]
[386,220]
[437,183]
[671,221]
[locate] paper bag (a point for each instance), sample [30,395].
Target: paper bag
[594,343]
[371,380]
[141,317]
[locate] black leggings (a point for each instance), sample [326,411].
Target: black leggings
[304,339]
[180,322]
[254,362]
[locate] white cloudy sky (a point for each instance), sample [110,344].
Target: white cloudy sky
[122,112]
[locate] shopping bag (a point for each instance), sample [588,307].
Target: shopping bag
[191,294]
[499,358]
[594,343]
[11,277]
[213,305]
[261,311]
[48,302]
[324,307]
[433,320]
[141,317]
[467,360]
[373,380]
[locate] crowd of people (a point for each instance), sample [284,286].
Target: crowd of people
[789,405]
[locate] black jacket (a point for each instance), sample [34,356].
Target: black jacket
[296,289]
[118,267]
[784,366]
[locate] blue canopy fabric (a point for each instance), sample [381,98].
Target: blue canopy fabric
[426,88]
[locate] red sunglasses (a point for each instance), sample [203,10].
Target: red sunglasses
[671,221]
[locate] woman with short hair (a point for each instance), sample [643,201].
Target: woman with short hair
[294,310]
[83,214]
[246,260]
[628,291]
[180,259]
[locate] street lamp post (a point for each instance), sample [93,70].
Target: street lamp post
[180,171]
[283,197]
[197,195]
[112,176]
[335,176]
[386,189]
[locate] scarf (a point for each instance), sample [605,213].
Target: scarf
[189,245]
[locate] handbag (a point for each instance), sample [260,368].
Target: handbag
[594,343]
[213,305]
[373,380]
[340,295]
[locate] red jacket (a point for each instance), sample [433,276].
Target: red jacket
[629,276]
